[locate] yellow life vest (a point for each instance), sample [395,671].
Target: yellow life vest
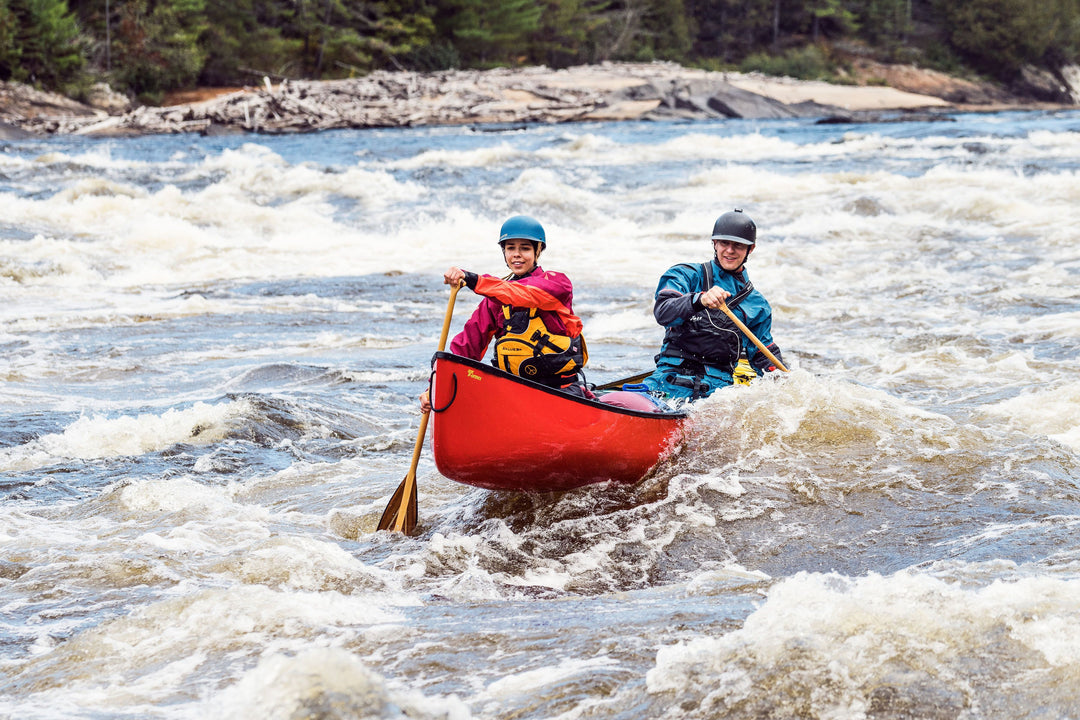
[743,373]
[530,350]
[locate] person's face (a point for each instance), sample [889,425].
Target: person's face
[520,256]
[731,255]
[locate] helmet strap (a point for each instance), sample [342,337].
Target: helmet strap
[537,249]
[716,256]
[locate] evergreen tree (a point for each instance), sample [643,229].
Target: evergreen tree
[156,45]
[666,34]
[999,37]
[1063,41]
[490,32]
[243,41]
[565,32]
[616,36]
[39,42]
[729,30]
[401,29]
[883,22]
[10,49]
[643,30]
[359,37]
[832,18]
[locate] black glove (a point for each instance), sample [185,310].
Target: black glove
[762,362]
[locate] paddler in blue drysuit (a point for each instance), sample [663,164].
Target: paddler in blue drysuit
[529,314]
[702,347]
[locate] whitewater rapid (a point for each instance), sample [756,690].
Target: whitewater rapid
[212,350]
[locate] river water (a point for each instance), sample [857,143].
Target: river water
[212,350]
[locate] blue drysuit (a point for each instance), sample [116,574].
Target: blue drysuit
[701,346]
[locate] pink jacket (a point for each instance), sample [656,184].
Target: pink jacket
[550,292]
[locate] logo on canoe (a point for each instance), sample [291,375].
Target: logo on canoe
[473,375]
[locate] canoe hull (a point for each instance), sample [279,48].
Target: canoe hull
[501,432]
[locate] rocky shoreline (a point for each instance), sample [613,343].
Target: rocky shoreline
[607,92]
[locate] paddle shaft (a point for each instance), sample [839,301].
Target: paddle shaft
[753,338]
[619,383]
[397,516]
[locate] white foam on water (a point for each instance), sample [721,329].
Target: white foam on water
[912,632]
[1051,411]
[257,170]
[628,327]
[324,681]
[200,634]
[97,436]
[800,410]
[182,496]
[713,582]
[131,237]
[493,155]
[743,147]
[530,681]
[459,559]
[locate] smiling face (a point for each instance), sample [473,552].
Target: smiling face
[520,256]
[731,255]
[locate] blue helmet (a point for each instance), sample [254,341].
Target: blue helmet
[522,227]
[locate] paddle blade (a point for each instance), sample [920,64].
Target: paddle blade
[400,513]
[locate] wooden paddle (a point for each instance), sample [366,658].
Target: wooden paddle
[753,338]
[400,512]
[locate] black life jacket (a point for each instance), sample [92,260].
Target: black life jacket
[708,337]
[529,349]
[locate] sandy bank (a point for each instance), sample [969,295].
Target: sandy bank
[847,97]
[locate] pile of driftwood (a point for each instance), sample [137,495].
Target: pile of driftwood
[401,99]
[381,99]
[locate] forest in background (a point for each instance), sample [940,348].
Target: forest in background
[145,48]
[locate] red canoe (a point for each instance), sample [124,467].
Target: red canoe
[502,432]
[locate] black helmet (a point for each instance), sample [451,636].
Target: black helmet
[735,226]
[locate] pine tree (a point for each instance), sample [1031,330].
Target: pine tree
[565,32]
[999,37]
[729,30]
[39,42]
[156,45]
[831,17]
[491,32]
[667,35]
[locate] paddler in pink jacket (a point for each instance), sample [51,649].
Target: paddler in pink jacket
[529,314]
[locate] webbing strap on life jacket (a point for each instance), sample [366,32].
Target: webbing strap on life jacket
[529,349]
